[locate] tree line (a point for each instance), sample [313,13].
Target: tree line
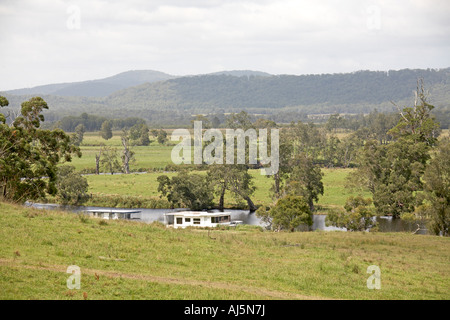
[398,159]
[94,122]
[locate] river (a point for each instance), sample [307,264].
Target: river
[385,224]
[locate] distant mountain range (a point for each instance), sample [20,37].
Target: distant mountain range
[96,88]
[160,97]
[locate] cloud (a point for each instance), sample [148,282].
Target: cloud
[199,36]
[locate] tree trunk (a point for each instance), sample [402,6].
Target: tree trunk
[277,185]
[126,156]
[97,164]
[4,187]
[311,205]
[251,205]
[222,199]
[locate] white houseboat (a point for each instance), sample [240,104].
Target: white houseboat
[183,219]
[111,214]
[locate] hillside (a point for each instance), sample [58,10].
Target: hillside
[96,88]
[281,97]
[232,92]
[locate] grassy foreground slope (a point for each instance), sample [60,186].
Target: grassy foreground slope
[131,260]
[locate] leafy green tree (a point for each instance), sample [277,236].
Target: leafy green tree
[393,172]
[241,184]
[416,123]
[162,136]
[306,138]
[241,120]
[296,140]
[206,123]
[29,155]
[331,152]
[106,130]
[187,190]
[98,157]
[285,168]
[139,135]
[358,216]
[78,135]
[347,150]
[400,178]
[264,123]
[379,124]
[3,101]
[215,122]
[144,140]
[127,153]
[110,160]
[288,213]
[72,187]
[437,189]
[154,132]
[135,132]
[305,180]
[217,175]
[334,121]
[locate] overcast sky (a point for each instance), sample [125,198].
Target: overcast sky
[51,41]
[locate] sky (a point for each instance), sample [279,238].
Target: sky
[53,41]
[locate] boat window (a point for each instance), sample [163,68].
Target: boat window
[196,220]
[179,220]
[220,219]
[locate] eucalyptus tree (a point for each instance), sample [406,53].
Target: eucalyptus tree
[437,189]
[106,130]
[127,153]
[288,213]
[393,172]
[29,155]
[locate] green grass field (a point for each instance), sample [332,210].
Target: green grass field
[157,156]
[146,185]
[131,260]
[154,156]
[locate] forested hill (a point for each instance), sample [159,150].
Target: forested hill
[231,92]
[283,97]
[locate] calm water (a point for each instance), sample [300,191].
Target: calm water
[385,224]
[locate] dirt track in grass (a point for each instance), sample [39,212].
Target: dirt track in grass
[269,294]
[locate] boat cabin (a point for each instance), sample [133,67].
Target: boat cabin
[111,214]
[183,219]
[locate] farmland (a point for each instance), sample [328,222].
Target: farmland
[131,260]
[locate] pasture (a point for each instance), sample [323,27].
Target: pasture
[131,260]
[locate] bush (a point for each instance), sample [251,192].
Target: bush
[356,217]
[121,201]
[289,213]
[71,187]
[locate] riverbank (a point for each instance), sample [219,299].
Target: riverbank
[146,215]
[107,190]
[130,260]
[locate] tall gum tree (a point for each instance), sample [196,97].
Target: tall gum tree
[29,155]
